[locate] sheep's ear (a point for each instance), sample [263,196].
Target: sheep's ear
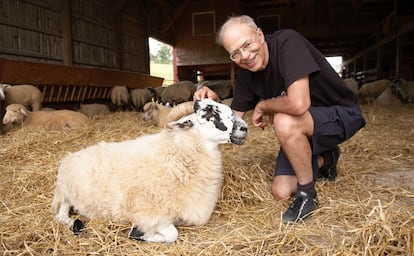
[24,111]
[183,123]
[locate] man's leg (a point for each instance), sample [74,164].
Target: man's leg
[293,133]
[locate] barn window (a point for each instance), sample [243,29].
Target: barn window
[204,23]
[268,23]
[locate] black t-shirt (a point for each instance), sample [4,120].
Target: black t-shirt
[291,57]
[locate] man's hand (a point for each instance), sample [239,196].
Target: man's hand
[205,92]
[257,119]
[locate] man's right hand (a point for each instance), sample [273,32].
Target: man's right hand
[205,92]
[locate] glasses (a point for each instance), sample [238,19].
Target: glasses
[247,46]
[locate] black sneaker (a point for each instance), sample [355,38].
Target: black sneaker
[301,208]
[328,170]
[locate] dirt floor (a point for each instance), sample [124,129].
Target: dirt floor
[368,210]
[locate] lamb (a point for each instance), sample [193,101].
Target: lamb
[120,97]
[370,91]
[156,93]
[17,114]
[139,97]
[178,93]
[93,109]
[25,94]
[157,113]
[156,182]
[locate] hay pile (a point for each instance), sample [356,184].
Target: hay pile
[368,210]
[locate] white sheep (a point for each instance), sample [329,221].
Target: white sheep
[139,97]
[94,109]
[156,113]
[120,97]
[370,91]
[155,181]
[25,94]
[19,115]
[178,93]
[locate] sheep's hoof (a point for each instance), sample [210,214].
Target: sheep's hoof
[77,227]
[136,234]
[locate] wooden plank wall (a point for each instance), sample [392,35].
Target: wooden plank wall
[38,31]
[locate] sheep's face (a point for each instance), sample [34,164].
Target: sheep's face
[15,113]
[222,124]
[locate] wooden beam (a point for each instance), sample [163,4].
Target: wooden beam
[119,5]
[404,29]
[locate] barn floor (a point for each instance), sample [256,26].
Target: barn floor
[368,210]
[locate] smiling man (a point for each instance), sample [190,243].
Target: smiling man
[310,108]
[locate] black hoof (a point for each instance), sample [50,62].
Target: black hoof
[77,227]
[136,234]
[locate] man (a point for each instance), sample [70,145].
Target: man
[309,106]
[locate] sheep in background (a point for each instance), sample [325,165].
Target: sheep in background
[178,93]
[352,84]
[370,91]
[19,115]
[387,99]
[25,94]
[227,101]
[120,97]
[156,182]
[156,113]
[94,109]
[404,90]
[223,88]
[139,97]
[156,93]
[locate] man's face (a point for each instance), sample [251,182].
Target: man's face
[246,46]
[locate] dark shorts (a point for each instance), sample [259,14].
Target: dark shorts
[332,126]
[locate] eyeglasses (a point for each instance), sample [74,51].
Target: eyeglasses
[247,46]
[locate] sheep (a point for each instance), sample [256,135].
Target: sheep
[25,94]
[120,97]
[2,107]
[94,109]
[156,93]
[370,91]
[139,97]
[178,92]
[404,90]
[387,99]
[17,114]
[157,181]
[223,88]
[157,113]
[352,84]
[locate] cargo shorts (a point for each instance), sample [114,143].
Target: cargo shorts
[332,126]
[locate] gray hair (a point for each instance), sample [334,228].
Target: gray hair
[233,20]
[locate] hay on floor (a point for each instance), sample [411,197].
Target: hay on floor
[368,210]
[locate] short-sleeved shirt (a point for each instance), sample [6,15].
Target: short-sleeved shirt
[291,57]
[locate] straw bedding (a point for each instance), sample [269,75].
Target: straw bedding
[368,210]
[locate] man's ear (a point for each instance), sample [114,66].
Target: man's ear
[181,124]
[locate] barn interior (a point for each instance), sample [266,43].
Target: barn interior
[76,51]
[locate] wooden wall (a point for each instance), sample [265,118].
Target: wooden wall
[75,32]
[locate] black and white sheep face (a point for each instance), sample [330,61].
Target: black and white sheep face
[228,127]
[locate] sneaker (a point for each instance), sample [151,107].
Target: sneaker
[328,170]
[301,208]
